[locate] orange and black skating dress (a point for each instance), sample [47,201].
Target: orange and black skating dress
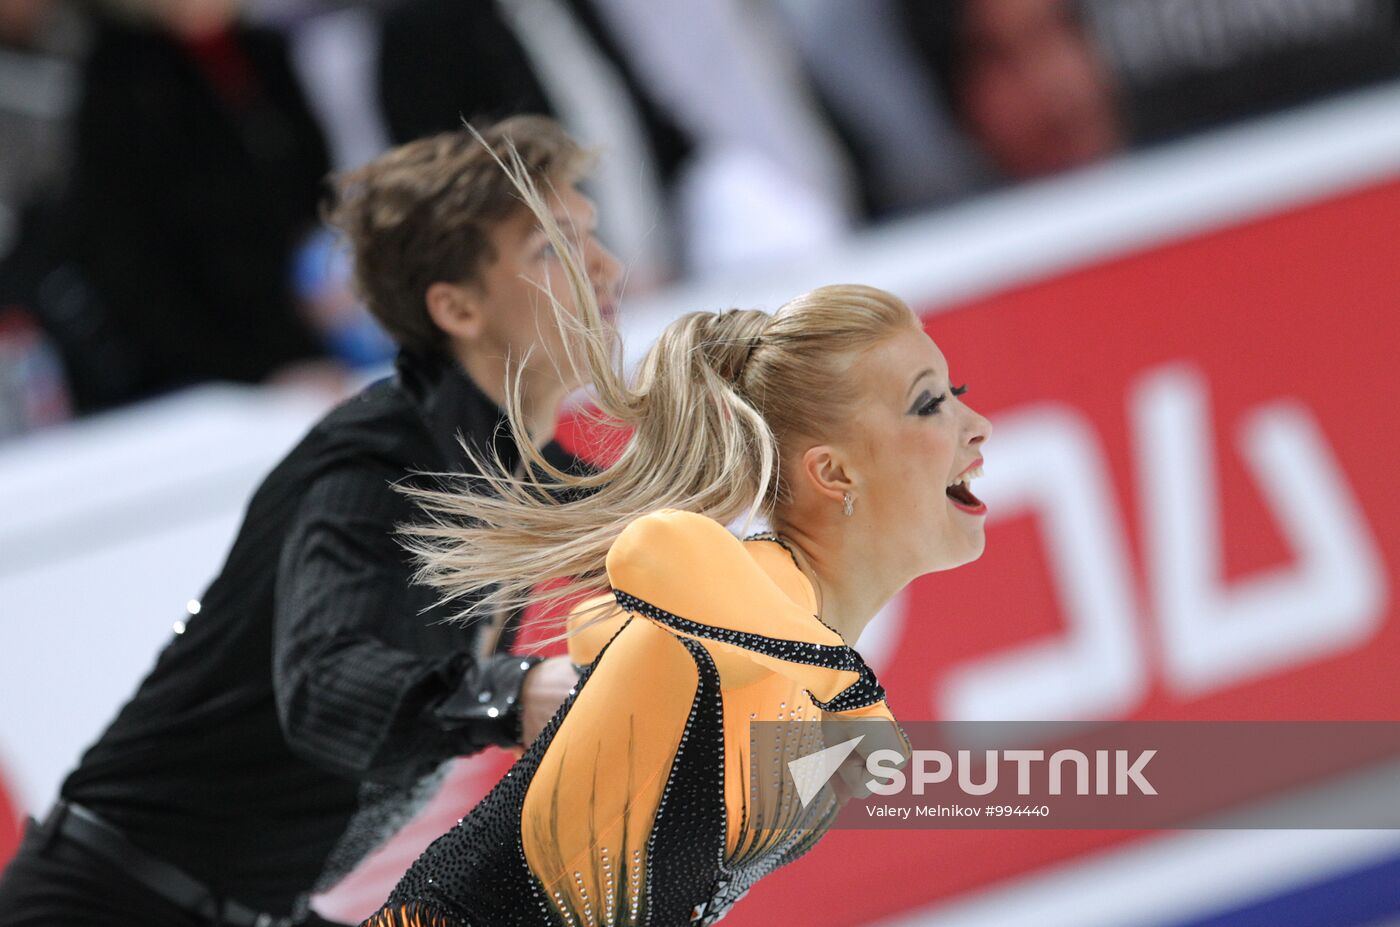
[635,806]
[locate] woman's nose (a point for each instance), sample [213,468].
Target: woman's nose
[980,430]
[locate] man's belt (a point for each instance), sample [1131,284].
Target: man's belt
[80,826]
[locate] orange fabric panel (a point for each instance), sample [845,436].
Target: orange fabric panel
[592,802]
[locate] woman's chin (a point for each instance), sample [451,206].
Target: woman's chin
[944,562]
[975,546]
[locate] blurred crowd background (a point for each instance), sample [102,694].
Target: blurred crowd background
[162,162]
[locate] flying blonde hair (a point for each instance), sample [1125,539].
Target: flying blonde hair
[711,405]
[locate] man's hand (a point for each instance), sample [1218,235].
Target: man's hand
[546,686]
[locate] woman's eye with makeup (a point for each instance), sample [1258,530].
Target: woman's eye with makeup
[931,407]
[546,252]
[959,390]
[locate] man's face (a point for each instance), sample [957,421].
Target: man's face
[514,285]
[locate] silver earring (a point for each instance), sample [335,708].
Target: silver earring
[846,503]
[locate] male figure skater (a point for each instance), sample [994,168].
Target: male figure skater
[299,717]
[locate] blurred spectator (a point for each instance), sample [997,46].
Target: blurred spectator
[882,95]
[1041,86]
[1194,64]
[197,170]
[445,60]
[768,179]
[1025,78]
[336,54]
[334,48]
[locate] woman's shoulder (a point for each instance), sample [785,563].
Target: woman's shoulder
[666,538]
[672,542]
[671,524]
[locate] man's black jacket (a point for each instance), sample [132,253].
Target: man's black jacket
[297,718]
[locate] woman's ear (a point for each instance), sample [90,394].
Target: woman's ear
[457,309]
[826,473]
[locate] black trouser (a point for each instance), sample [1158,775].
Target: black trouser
[65,885]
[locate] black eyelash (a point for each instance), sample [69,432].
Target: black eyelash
[931,407]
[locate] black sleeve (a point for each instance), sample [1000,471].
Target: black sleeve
[353,694]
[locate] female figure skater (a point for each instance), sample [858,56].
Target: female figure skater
[835,418]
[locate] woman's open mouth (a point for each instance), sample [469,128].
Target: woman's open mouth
[960,492]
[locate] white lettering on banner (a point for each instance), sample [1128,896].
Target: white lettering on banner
[1023,760]
[922,776]
[1332,598]
[888,778]
[1081,768]
[1096,668]
[1133,772]
[989,773]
